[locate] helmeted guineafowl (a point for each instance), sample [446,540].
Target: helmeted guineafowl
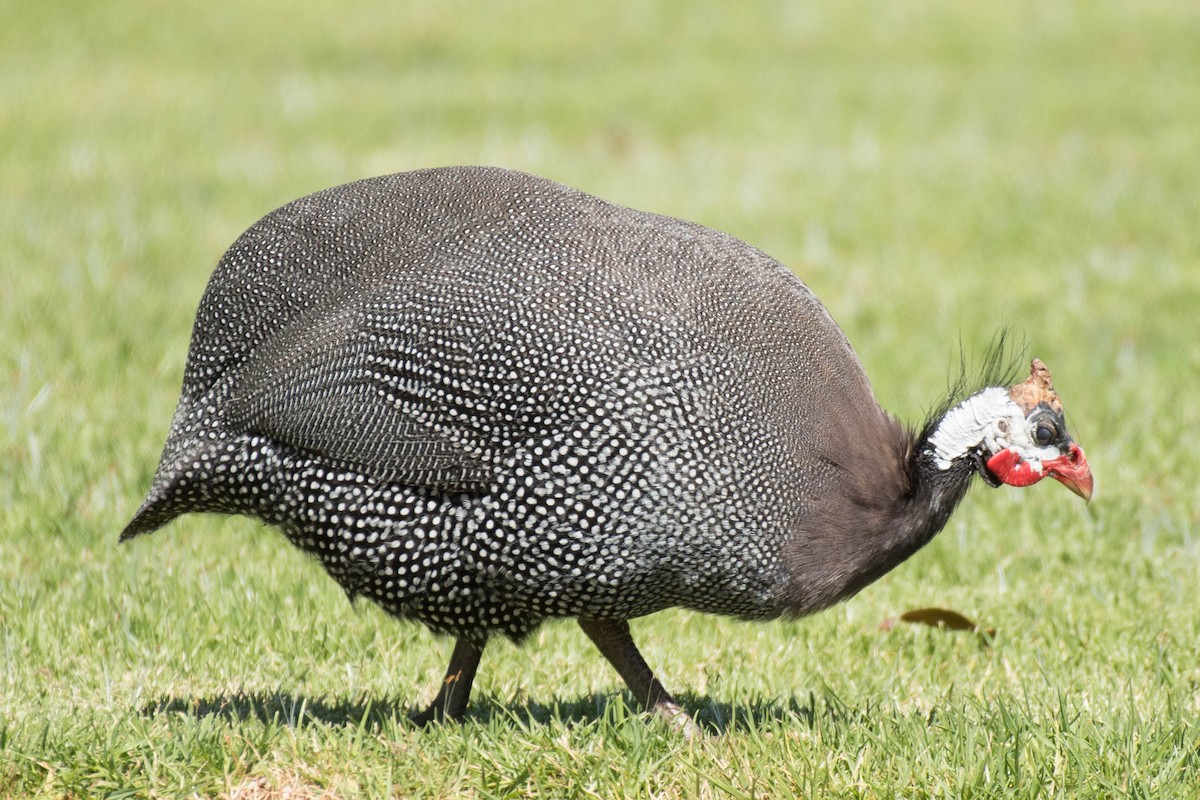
[482,399]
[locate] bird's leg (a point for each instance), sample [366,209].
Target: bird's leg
[613,639]
[451,700]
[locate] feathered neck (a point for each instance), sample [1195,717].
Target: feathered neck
[885,510]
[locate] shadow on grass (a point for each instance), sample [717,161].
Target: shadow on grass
[373,714]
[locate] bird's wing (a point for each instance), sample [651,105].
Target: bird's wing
[369,385]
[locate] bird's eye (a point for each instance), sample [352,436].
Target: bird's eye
[1044,433]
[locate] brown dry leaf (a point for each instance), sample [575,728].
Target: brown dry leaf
[938,618]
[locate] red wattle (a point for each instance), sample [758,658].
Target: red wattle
[1009,468]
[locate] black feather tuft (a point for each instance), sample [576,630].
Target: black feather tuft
[1002,364]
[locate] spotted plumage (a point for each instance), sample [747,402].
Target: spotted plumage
[482,399]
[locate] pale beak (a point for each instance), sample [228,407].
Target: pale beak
[1072,471]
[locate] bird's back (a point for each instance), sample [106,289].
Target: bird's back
[555,405]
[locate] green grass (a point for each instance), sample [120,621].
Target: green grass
[933,170]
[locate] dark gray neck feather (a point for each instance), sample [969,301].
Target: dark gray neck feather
[892,500]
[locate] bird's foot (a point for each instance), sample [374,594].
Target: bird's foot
[677,719]
[434,714]
[451,701]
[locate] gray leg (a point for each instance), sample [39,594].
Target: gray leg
[451,700]
[612,638]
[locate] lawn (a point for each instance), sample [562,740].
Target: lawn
[933,170]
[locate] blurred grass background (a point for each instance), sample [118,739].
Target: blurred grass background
[933,170]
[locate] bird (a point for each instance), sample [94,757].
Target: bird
[484,400]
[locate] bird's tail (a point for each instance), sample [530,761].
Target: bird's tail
[180,485]
[154,512]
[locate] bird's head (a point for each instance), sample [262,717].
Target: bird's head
[1016,436]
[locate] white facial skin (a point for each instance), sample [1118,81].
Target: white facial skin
[990,421]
